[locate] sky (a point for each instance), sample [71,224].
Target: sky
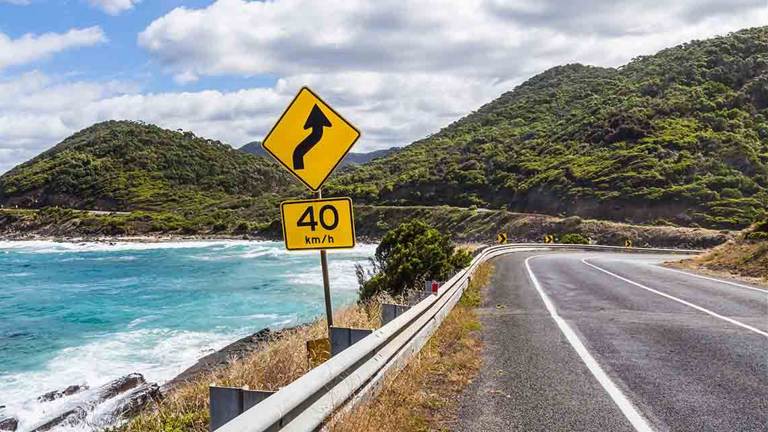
[397,69]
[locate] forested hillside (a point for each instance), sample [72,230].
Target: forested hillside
[680,136]
[128,165]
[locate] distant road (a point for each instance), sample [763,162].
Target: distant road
[93,212]
[613,342]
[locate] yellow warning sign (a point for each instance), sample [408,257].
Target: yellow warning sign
[318,224]
[628,243]
[549,238]
[310,139]
[501,238]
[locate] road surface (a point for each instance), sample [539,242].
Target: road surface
[577,341]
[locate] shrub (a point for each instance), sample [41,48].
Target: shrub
[408,256]
[574,238]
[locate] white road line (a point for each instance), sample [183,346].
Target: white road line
[671,297]
[713,279]
[626,407]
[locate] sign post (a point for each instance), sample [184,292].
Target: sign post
[326,281]
[310,139]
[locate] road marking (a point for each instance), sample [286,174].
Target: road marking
[679,300]
[621,401]
[713,279]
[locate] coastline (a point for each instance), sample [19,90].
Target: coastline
[126,262]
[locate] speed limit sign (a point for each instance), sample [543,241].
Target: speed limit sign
[318,224]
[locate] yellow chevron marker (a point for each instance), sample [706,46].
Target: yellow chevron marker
[501,238]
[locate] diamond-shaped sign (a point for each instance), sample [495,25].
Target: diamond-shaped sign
[310,139]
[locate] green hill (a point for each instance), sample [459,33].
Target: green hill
[121,165]
[170,180]
[679,136]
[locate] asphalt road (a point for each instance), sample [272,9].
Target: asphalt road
[612,342]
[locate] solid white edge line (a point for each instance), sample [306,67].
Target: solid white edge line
[621,401]
[712,279]
[679,300]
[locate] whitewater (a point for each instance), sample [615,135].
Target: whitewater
[87,313]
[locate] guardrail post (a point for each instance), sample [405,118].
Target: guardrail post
[343,338]
[391,311]
[227,403]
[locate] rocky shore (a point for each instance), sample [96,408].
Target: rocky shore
[119,400]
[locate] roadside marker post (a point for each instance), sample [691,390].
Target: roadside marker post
[310,139]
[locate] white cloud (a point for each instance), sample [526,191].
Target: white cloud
[114,7]
[484,38]
[30,47]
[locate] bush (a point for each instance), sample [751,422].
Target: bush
[574,238]
[408,256]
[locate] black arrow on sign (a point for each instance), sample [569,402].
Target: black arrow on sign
[317,121]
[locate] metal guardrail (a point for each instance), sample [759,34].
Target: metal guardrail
[357,373]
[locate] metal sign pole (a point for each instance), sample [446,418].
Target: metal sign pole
[326,283]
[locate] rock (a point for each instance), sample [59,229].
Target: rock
[120,385]
[70,418]
[8,424]
[137,400]
[58,394]
[75,415]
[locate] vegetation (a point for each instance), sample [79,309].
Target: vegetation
[573,238]
[680,136]
[422,397]
[408,256]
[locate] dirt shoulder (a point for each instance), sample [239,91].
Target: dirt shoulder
[746,261]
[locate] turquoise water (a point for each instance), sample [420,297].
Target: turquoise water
[91,312]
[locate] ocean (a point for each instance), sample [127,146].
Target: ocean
[87,313]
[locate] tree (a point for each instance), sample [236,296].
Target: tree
[408,256]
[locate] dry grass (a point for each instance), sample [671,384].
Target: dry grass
[746,259]
[424,395]
[280,362]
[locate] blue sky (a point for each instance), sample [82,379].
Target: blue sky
[225,69]
[120,58]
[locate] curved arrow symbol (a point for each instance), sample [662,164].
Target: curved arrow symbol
[317,121]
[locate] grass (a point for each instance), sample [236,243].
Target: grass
[424,395]
[280,362]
